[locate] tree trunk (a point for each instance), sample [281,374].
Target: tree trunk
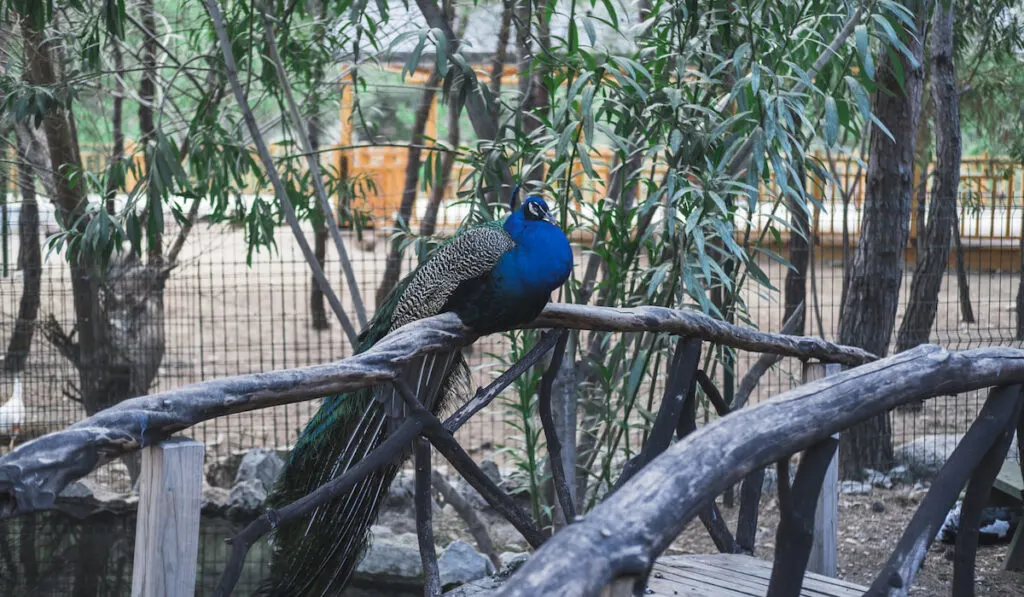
[500,53]
[29,256]
[70,203]
[429,223]
[317,306]
[933,251]
[869,314]
[532,93]
[933,254]
[118,310]
[147,129]
[795,292]
[963,286]
[117,153]
[393,266]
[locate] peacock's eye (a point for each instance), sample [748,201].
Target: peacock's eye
[534,210]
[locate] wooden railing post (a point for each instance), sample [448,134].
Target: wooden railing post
[826,517]
[167,529]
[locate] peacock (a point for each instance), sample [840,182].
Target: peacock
[494,276]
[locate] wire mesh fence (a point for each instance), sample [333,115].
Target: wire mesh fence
[225,315]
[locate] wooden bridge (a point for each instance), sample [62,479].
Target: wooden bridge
[617,548]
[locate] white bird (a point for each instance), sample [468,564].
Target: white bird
[12,413]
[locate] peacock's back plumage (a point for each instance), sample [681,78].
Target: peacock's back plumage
[495,276]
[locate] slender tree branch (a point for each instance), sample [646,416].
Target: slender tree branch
[741,159]
[554,443]
[484,396]
[465,510]
[268,163]
[763,363]
[299,130]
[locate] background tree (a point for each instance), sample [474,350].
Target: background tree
[869,313]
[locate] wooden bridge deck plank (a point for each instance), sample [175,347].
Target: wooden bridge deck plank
[728,575]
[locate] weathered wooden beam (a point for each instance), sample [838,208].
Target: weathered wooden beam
[1015,554]
[826,515]
[898,574]
[750,502]
[639,521]
[33,474]
[167,526]
[795,534]
[975,500]
[424,520]
[678,389]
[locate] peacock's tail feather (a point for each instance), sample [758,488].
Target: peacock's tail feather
[317,554]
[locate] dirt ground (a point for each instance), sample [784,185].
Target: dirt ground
[869,527]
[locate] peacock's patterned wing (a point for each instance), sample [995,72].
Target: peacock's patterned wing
[467,256]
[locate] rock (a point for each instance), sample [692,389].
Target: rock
[260,464]
[402,492]
[899,474]
[877,478]
[460,563]
[479,588]
[78,490]
[222,471]
[771,479]
[392,557]
[877,507]
[214,499]
[512,560]
[854,488]
[246,498]
[490,469]
[924,456]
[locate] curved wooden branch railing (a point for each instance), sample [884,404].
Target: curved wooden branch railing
[33,474]
[623,535]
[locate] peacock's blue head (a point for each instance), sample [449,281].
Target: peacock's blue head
[534,210]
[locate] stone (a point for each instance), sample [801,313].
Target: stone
[460,563]
[877,507]
[260,464]
[899,474]
[854,488]
[490,469]
[877,478]
[78,490]
[512,560]
[246,498]
[478,588]
[402,492]
[924,456]
[392,557]
[214,499]
[222,471]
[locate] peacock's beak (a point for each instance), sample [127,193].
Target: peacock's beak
[550,219]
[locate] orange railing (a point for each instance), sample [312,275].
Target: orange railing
[990,202]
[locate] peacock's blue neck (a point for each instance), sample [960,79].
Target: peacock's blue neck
[540,262]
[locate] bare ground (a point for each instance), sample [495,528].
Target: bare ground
[866,539]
